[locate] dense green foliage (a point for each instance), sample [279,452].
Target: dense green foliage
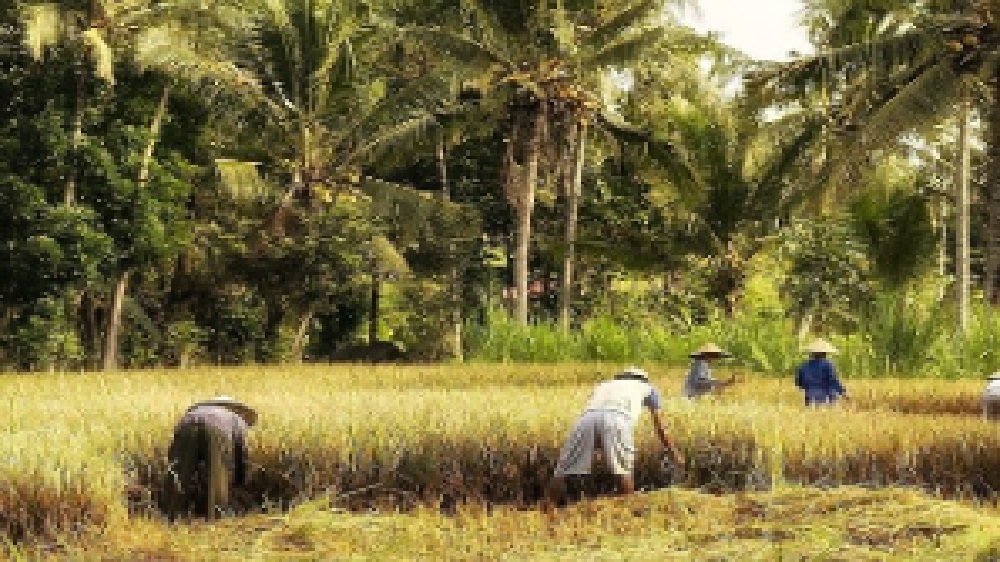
[253,182]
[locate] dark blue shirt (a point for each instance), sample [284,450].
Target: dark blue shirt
[818,379]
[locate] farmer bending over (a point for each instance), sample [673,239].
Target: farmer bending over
[208,457]
[607,424]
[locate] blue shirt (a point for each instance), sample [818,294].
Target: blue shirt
[818,379]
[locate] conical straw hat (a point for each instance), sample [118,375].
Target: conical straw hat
[246,412]
[820,346]
[709,349]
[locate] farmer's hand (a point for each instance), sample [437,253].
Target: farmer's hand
[677,457]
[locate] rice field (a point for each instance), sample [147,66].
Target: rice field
[450,461]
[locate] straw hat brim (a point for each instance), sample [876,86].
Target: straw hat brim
[709,350]
[248,414]
[820,346]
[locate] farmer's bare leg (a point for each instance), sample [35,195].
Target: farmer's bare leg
[626,484]
[554,492]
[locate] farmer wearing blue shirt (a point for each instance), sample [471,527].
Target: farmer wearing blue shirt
[607,424]
[817,377]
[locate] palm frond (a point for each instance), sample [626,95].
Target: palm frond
[420,96]
[171,49]
[626,50]
[42,25]
[409,131]
[672,157]
[460,47]
[779,166]
[564,32]
[103,57]
[924,99]
[884,55]
[620,24]
[241,180]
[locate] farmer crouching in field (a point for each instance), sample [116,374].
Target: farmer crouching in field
[607,424]
[817,377]
[699,380]
[208,458]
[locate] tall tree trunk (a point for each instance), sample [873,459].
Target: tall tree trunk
[114,323]
[76,136]
[275,224]
[300,334]
[993,202]
[456,305]
[114,316]
[373,317]
[154,135]
[526,204]
[572,211]
[963,270]
[442,162]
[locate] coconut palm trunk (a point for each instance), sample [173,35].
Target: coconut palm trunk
[572,215]
[456,311]
[962,254]
[992,197]
[525,205]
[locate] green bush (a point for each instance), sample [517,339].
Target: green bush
[45,340]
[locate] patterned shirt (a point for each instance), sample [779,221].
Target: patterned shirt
[232,425]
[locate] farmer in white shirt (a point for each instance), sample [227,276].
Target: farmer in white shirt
[607,424]
[991,397]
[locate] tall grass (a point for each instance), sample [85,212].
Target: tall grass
[763,344]
[73,444]
[894,338]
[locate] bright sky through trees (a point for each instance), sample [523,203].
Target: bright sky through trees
[764,29]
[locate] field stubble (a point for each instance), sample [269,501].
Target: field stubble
[79,450]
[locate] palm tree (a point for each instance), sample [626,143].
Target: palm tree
[308,71]
[892,72]
[737,185]
[539,71]
[306,68]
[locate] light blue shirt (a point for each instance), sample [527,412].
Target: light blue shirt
[699,380]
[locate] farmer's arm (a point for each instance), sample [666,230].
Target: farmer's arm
[834,381]
[652,402]
[661,432]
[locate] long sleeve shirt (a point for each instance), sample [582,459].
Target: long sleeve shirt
[699,380]
[818,380]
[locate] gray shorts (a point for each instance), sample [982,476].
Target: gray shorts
[612,430]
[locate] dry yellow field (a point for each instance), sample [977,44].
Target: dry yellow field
[368,454]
